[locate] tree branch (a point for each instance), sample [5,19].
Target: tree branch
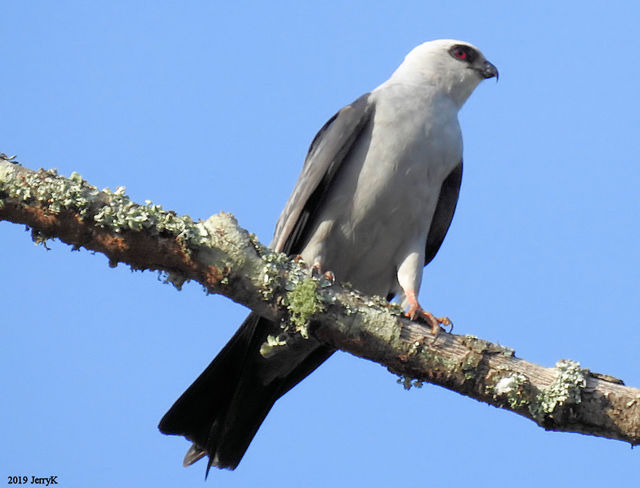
[226,259]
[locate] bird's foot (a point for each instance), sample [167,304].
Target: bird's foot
[416,311]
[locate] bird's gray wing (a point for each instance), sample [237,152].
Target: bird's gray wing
[328,150]
[443,214]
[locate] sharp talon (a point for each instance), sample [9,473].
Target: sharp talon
[411,314]
[433,322]
[415,311]
[445,321]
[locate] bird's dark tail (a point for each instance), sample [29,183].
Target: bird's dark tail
[223,409]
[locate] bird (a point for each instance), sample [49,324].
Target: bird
[372,205]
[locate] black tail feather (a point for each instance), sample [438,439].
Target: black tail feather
[223,409]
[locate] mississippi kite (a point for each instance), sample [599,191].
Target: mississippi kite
[373,203]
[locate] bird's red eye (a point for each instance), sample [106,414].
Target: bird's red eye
[463,53]
[460,53]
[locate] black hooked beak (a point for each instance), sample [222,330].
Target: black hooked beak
[488,70]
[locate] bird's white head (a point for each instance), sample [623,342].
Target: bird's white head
[453,67]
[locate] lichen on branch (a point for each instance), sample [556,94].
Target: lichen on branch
[226,259]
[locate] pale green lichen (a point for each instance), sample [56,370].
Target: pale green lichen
[52,192]
[271,274]
[289,281]
[378,301]
[507,351]
[481,346]
[296,290]
[112,210]
[272,345]
[470,363]
[566,389]
[303,302]
[415,348]
[121,214]
[408,382]
[174,278]
[222,233]
[512,388]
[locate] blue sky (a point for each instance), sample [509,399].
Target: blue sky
[208,106]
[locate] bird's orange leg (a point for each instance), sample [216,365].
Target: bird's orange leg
[415,311]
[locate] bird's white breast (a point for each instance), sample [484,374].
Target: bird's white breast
[381,205]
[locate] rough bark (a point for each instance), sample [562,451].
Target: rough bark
[228,260]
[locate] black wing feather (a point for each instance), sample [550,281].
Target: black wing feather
[329,149]
[443,214]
